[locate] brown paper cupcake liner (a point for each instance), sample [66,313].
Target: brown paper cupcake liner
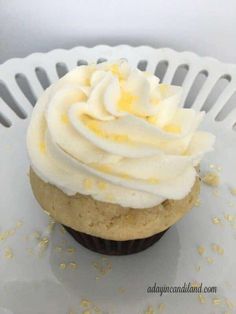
[111,247]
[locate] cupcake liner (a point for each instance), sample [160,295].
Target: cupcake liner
[111,247]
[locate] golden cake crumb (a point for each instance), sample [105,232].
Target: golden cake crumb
[9,233]
[36,235]
[201,250]
[161,307]
[229,217]
[19,224]
[8,253]
[85,303]
[229,304]
[62,266]
[198,202]
[104,266]
[96,309]
[210,260]
[43,243]
[233,191]
[216,301]
[58,249]
[71,250]
[195,284]
[73,265]
[211,178]
[216,220]
[217,249]
[201,298]
[149,310]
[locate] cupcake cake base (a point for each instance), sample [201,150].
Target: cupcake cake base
[111,247]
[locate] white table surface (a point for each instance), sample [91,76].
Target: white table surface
[207,27]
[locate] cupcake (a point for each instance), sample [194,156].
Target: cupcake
[113,157]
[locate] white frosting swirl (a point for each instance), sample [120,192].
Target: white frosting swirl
[116,134]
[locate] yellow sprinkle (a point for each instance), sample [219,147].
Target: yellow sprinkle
[149,310]
[116,71]
[210,260]
[8,253]
[161,307]
[211,178]
[64,118]
[152,119]
[85,303]
[42,147]
[172,128]
[73,265]
[126,101]
[201,298]
[88,183]
[155,101]
[216,301]
[95,126]
[86,312]
[110,197]
[102,185]
[201,250]
[153,180]
[62,266]
[216,220]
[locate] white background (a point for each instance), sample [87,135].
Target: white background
[207,27]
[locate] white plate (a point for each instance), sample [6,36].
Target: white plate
[33,282]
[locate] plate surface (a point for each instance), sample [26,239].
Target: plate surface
[44,271]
